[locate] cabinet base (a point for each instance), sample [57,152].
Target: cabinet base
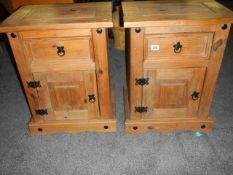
[44,128]
[141,126]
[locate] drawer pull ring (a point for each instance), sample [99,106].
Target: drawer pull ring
[195,95]
[61,50]
[177,47]
[91,98]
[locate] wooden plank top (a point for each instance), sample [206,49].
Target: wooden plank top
[170,13]
[59,16]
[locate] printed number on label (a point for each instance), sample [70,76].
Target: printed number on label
[155,47]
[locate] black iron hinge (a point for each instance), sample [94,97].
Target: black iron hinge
[141,109]
[33,84]
[142,81]
[41,112]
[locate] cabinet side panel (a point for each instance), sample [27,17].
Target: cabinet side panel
[136,66]
[217,52]
[102,72]
[127,62]
[24,71]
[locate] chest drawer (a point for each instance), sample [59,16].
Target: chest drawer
[56,50]
[59,48]
[181,45]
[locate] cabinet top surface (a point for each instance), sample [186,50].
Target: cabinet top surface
[59,16]
[157,13]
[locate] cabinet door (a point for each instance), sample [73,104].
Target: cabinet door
[172,93]
[68,95]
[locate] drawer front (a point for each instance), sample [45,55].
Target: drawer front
[183,45]
[59,48]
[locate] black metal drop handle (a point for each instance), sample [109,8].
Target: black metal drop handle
[91,98]
[195,95]
[177,47]
[61,50]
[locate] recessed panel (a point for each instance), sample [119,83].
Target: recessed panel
[67,96]
[61,13]
[172,95]
[175,9]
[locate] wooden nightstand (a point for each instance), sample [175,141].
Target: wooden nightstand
[175,51]
[62,57]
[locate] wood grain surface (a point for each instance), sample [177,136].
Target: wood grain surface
[59,16]
[171,13]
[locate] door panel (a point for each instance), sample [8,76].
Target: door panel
[169,93]
[66,95]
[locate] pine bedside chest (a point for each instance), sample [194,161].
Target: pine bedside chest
[175,51]
[62,57]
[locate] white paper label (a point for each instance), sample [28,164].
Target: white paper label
[155,47]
